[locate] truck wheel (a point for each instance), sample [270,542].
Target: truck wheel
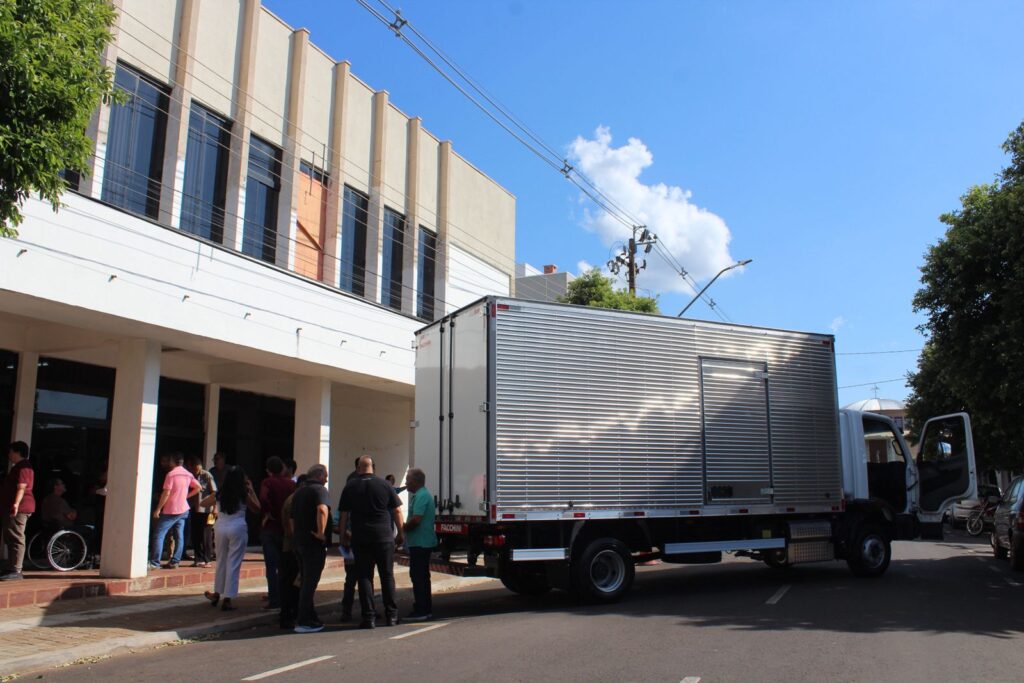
[523,582]
[870,553]
[999,551]
[604,572]
[1017,553]
[777,559]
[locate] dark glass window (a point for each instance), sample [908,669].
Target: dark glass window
[72,178]
[352,269]
[206,174]
[8,382]
[318,175]
[391,270]
[134,160]
[180,420]
[71,432]
[425,274]
[262,188]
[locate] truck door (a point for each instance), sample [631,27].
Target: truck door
[945,465]
[469,412]
[737,442]
[431,422]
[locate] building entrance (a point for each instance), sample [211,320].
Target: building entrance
[71,433]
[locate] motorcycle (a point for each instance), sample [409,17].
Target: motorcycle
[982,516]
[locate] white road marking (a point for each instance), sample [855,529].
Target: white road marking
[290,667]
[778,595]
[418,631]
[1015,584]
[691,679]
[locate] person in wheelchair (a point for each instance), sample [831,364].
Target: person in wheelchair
[52,545]
[57,512]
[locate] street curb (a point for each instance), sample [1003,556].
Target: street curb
[110,647]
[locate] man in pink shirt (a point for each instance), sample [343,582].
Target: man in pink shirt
[172,511]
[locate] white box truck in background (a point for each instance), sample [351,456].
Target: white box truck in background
[564,444]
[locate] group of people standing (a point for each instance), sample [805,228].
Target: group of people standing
[296,530]
[371,525]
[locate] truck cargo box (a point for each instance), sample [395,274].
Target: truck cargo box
[529,410]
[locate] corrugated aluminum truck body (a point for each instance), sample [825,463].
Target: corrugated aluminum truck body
[539,411]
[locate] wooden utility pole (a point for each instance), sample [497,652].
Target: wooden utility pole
[631,264]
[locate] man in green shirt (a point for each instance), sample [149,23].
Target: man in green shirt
[420,540]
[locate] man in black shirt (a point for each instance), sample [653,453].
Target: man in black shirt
[310,514]
[375,511]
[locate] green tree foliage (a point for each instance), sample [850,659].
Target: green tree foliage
[973,295]
[52,78]
[594,289]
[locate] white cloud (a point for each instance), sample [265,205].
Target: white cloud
[582,267]
[837,322]
[698,238]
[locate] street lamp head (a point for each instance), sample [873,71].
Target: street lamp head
[744,262]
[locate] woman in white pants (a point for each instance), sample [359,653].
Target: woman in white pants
[232,534]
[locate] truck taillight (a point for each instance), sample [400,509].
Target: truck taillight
[495,541]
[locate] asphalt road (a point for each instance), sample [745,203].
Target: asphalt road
[943,612]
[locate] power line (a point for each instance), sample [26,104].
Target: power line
[545,152]
[876,353]
[868,384]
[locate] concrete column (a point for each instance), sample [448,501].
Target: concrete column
[132,449]
[238,159]
[443,233]
[91,184]
[336,170]
[173,185]
[375,214]
[312,422]
[25,397]
[287,207]
[211,423]
[412,220]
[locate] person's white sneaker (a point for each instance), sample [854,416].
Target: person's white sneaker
[309,629]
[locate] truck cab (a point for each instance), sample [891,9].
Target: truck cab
[910,491]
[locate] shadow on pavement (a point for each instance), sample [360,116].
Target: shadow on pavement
[952,595]
[956,594]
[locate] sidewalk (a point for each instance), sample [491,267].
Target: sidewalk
[45,636]
[45,587]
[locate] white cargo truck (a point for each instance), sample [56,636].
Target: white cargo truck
[565,444]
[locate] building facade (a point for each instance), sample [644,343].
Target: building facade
[241,269]
[548,284]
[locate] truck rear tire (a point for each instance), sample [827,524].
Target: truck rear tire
[519,580]
[604,571]
[871,552]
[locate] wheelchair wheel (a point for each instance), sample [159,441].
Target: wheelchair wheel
[35,552]
[67,550]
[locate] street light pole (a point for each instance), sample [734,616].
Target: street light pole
[705,288]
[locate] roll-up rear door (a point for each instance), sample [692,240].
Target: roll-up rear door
[737,444]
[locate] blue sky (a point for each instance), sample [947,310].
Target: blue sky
[821,139]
